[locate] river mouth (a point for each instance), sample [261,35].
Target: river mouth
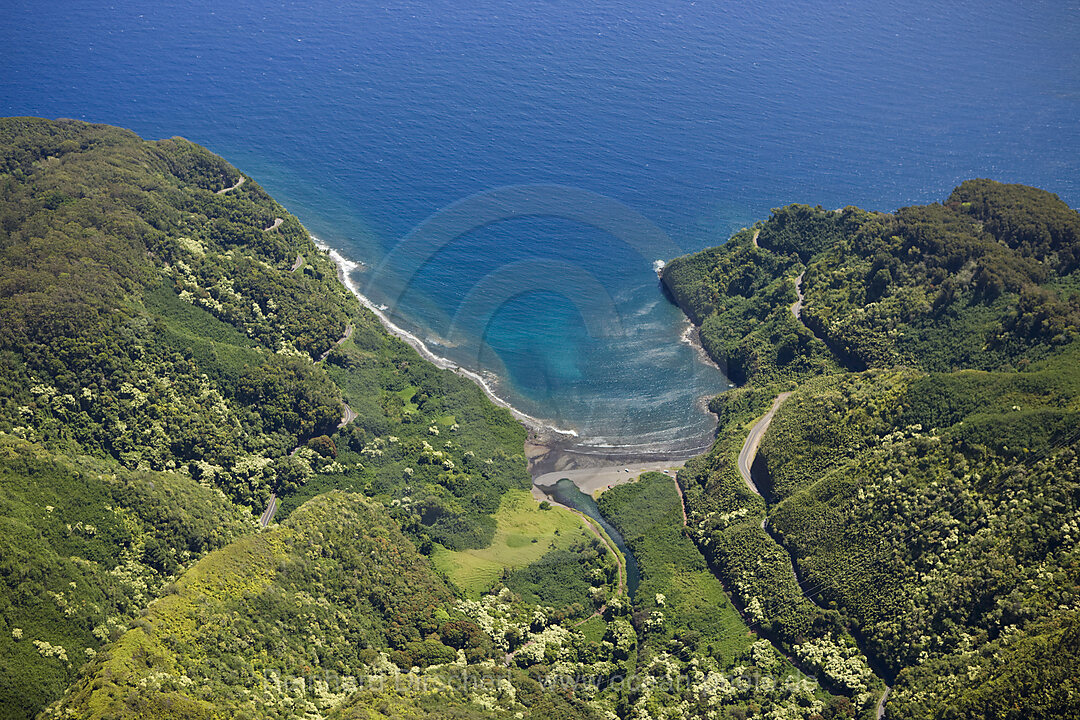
[547,456]
[565,492]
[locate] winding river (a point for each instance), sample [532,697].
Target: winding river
[565,492]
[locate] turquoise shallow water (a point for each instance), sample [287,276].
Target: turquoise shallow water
[509,172]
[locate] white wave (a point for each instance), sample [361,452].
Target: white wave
[345,269]
[688,447]
[691,337]
[644,310]
[658,266]
[660,441]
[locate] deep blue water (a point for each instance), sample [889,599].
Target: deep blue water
[625,131]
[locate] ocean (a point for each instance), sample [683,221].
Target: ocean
[509,174]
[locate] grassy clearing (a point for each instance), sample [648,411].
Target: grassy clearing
[523,534]
[700,596]
[593,629]
[407,394]
[648,515]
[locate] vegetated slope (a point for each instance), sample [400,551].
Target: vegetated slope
[183,347]
[293,621]
[929,502]
[84,545]
[149,318]
[690,635]
[159,367]
[934,538]
[545,554]
[739,294]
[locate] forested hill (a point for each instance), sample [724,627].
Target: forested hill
[923,476]
[153,310]
[986,280]
[173,349]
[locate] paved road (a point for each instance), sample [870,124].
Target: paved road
[746,461]
[239,182]
[345,336]
[298,263]
[347,417]
[268,513]
[753,439]
[882,701]
[277,222]
[796,307]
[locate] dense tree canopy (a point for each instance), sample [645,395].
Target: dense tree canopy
[920,485]
[165,368]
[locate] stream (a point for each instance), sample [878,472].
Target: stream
[565,492]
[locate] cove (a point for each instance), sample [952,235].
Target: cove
[565,492]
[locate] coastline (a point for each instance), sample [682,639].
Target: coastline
[547,456]
[549,450]
[691,336]
[535,426]
[595,480]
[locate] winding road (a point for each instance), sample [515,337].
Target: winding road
[881,703]
[347,417]
[239,182]
[746,461]
[345,336]
[298,263]
[277,223]
[750,446]
[796,307]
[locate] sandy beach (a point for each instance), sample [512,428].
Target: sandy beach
[593,472]
[594,480]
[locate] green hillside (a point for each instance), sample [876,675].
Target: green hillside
[689,626]
[292,622]
[84,545]
[170,355]
[149,315]
[920,484]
